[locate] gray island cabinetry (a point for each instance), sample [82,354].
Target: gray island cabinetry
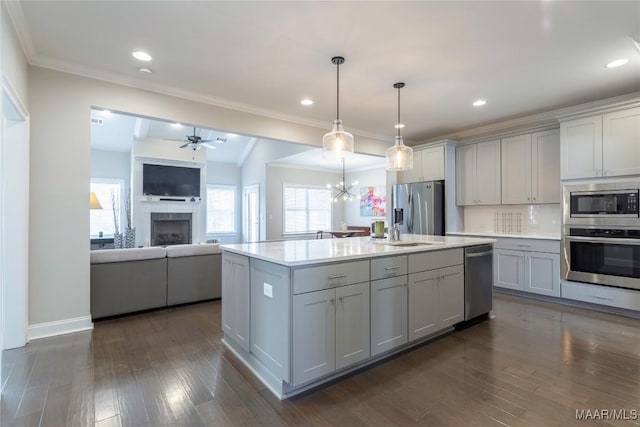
[300,313]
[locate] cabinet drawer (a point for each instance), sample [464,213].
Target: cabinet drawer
[435,259]
[329,276]
[603,295]
[381,268]
[530,245]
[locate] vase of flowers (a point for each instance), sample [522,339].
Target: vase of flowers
[130,232]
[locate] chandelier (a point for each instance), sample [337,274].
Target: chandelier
[343,191]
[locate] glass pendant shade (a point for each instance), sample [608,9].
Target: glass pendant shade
[399,156]
[337,144]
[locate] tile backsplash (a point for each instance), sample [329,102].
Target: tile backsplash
[513,219]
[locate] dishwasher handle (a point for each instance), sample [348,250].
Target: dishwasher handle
[477,254]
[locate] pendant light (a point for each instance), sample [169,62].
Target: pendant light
[337,144]
[399,157]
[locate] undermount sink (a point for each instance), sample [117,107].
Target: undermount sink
[409,244]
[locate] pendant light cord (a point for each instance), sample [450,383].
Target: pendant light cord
[338,91]
[398,111]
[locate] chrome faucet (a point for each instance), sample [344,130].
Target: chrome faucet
[394,233]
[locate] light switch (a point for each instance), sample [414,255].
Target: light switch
[268,290]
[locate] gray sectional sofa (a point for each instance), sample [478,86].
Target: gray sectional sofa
[130,280]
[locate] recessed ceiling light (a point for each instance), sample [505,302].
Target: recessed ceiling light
[479,102]
[306,101]
[142,56]
[399,126]
[176,125]
[145,70]
[617,63]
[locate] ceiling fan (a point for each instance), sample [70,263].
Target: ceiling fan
[196,142]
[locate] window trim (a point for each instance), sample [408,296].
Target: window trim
[121,217]
[284,210]
[235,210]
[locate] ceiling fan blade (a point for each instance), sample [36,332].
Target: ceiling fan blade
[185,145]
[207,140]
[213,147]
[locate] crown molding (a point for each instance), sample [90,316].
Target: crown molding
[17,18]
[536,122]
[119,79]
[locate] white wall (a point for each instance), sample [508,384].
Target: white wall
[227,174]
[112,165]
[14,63]
[60,160]
[277,177]
[255,166]
[367,178]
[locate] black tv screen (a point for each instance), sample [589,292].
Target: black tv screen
[159,180]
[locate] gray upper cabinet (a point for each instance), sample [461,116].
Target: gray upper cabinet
[478,174]
[352,324]
[531,168]
[388,314]
[235,292]
[314,335]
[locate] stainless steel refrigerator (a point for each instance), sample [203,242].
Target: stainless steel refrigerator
[419,207]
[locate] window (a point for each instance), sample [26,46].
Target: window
[221,209]
[101,220]
[306,210]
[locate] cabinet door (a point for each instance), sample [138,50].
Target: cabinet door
[388,314]
[542,273]
[314,335]
[352,324]
[450,296]
[508,269]
[235,297]
[465,175]
[621,142]
[545,165]
[487,178]
[432,160]
[581,148]
[412,175]
[423,304]
[516,170]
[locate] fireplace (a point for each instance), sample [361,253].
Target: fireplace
[170,229]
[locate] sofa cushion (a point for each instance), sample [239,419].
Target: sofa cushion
[175,251]
[132,254]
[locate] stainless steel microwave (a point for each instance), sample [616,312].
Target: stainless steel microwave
[613,203]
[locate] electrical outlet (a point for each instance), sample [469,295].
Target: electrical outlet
[268,290]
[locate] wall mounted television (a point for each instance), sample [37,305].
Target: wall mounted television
[175,181]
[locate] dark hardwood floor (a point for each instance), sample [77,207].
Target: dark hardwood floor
[534,364]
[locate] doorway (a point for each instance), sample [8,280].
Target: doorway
[251,213]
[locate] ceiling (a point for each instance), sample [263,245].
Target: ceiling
[118,131]
[264,57]
[313,159]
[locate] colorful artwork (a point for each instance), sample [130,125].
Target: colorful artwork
[373,201]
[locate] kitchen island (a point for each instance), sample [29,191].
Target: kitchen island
[299,313]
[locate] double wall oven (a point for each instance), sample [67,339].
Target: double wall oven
[601,234]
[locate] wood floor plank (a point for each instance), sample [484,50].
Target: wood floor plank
[532,365]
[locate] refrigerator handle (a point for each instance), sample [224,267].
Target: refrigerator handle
[410,214]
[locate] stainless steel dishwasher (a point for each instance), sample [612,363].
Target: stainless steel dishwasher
[478,280]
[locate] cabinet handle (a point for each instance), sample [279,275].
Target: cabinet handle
[523,246]
[599,297]
[528,199]
[337,276]
[395,267]
[332,301]
[340,300]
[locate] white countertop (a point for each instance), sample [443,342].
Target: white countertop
[306,252]
[539,236]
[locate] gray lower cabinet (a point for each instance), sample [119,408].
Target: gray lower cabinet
[388,314]
[436,300]
[542,272]
[508,267]
[235,293]
[330,330]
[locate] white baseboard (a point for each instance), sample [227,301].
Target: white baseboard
[60,327]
